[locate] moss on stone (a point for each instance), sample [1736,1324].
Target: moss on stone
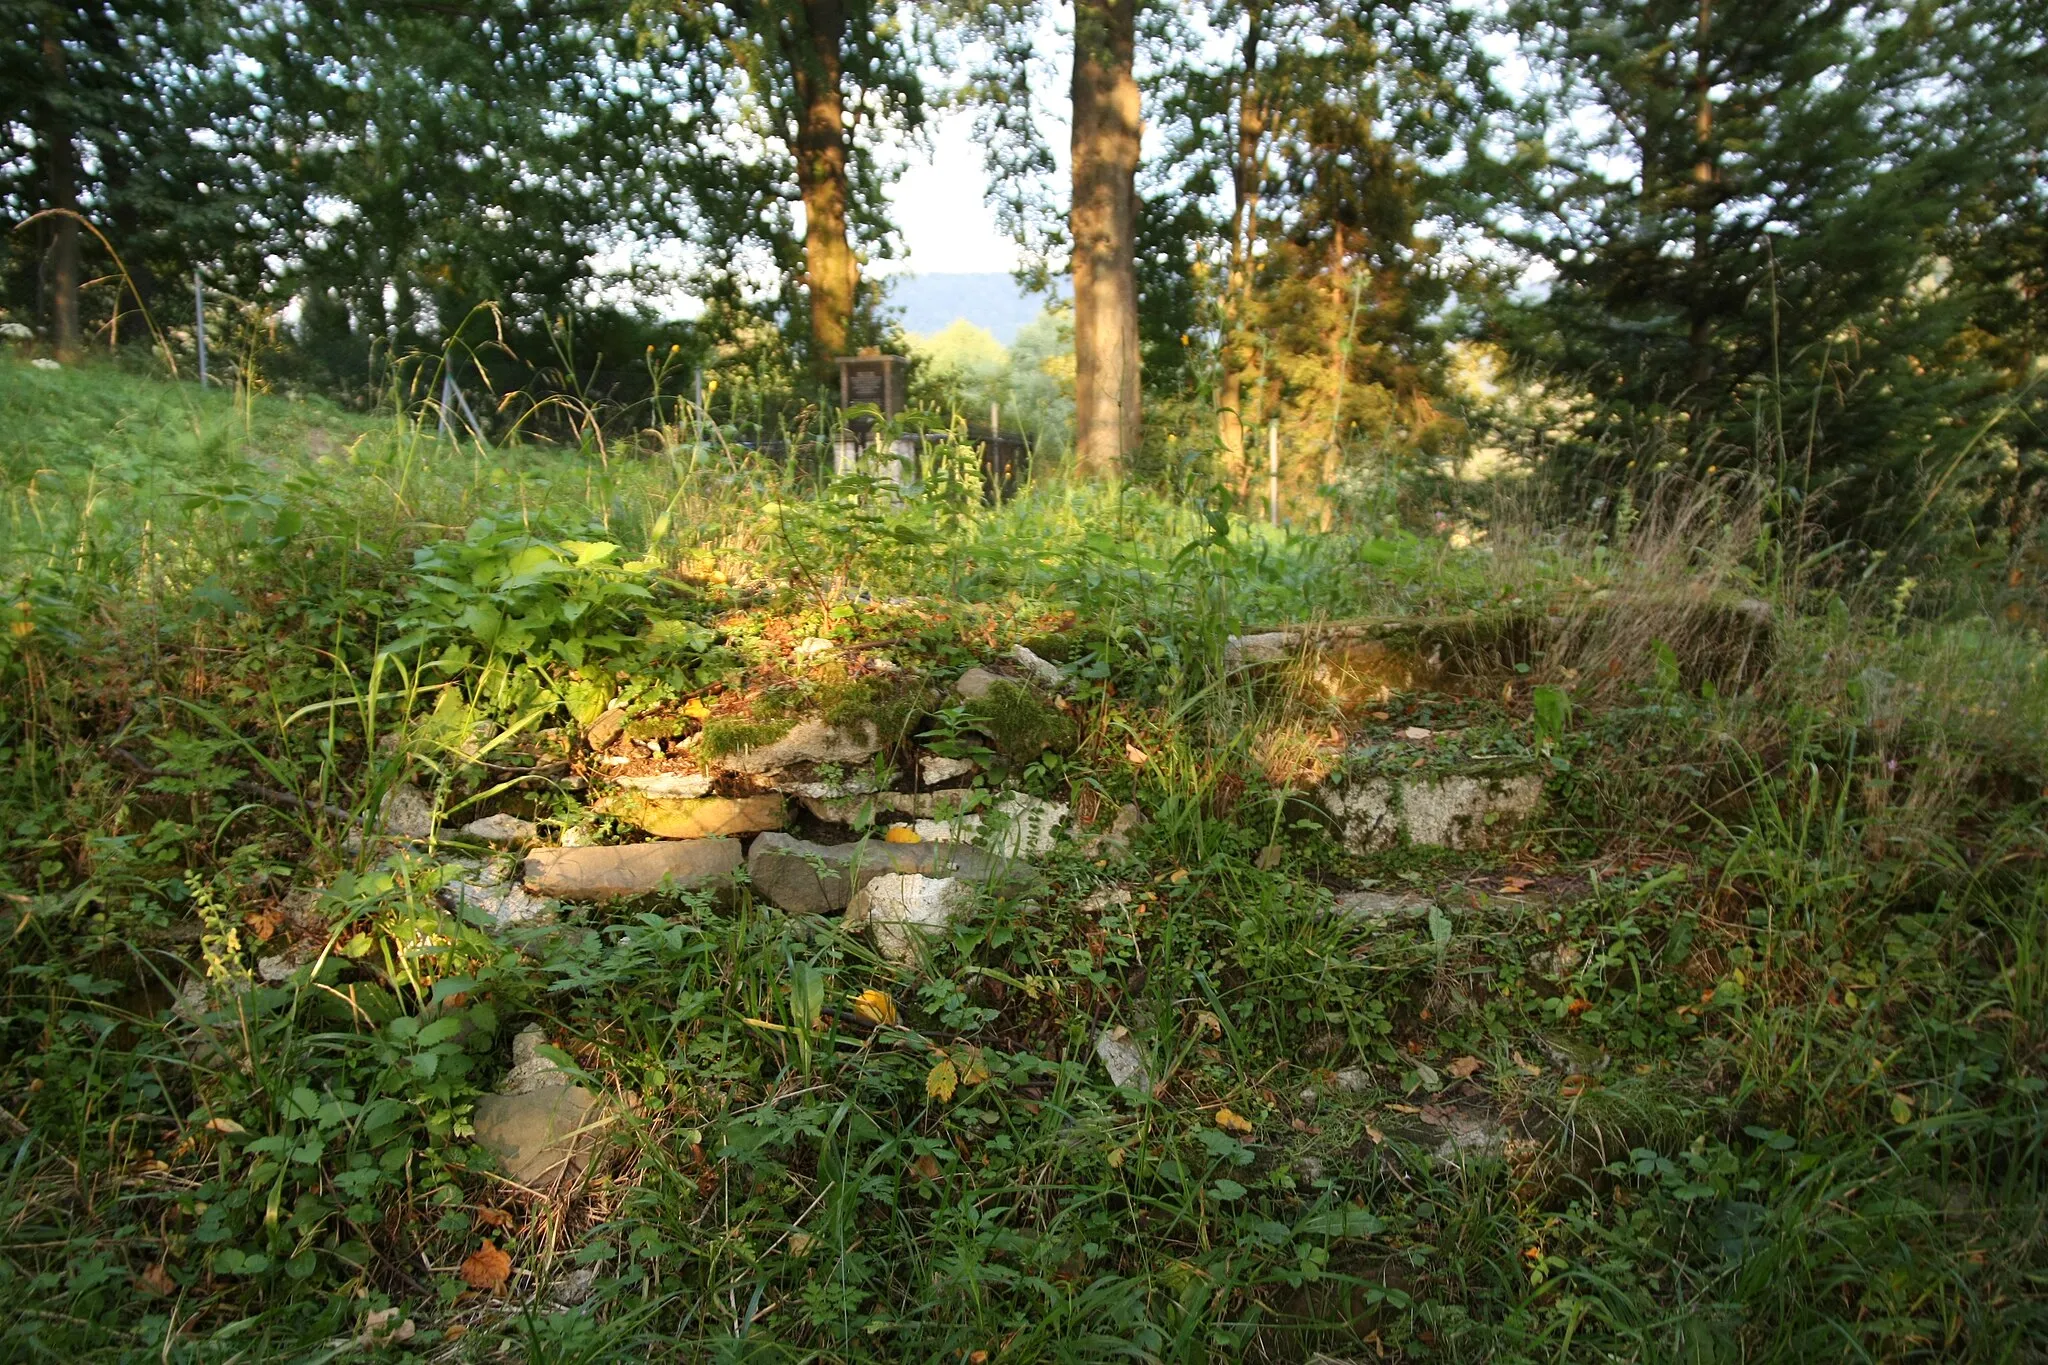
[894,708]
[727,735]
[1020,723]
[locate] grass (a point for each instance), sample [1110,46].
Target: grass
[1757,1006]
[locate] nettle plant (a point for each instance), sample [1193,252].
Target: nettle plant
[532,621]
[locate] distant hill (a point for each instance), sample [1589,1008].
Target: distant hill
[929,303]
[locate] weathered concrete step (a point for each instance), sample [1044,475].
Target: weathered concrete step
[1453,810]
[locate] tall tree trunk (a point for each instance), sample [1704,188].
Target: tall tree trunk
[821,175]
[60,155]
[1238,355]
[1104,226]
[1700,335]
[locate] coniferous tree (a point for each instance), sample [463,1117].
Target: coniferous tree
[1740,202]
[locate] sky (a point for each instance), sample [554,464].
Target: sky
[941,205]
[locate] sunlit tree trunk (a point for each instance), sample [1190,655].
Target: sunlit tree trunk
[1700,335]
[832,273]
[1238,354]
[60,155]
[1104,225]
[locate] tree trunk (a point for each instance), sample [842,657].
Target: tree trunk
[60,155]
[1700,335]
[1237,354]
[832,273]
[1104,226]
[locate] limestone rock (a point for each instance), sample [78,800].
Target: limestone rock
[677,786]
[975,683]
[1045,672]
[804,878]
[810,741]
[540,1126]
[902,908]
[862,810]
[622,871]
[605,728]
[933,769]
[1378,907]
[1017,826]
[1271,647]
[1456,811]
[813,787]
[506,831]
[704,817]
[1117,838]
[488,887]
[1123,1059]
[406,813]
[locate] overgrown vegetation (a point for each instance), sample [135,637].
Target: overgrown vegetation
[1758,1000]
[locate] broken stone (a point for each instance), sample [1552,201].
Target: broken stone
[540,1126]
[406,813]
[1017,826]
[904,908]
[1456,1134]
[1123,1059]
[506,831]
[1117,838]
[804,878]
[815,788]
[810,741]
[489,888]
[1443,812]
[1269,647]
[1352,1080]
[705,817]
[622,871]
[862,810]
[1380,906]
[975,683]
[1045,671]
[605,728]
[933,769]
[681,786]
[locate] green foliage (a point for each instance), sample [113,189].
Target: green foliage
[1751,1011]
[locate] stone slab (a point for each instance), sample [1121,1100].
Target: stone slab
[622,871]
[703,817]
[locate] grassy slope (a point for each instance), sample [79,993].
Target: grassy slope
[1772,1045]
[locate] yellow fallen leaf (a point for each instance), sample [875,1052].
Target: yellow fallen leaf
[156,1280]
[1135,754]
[900,834]
[876,1007]
[942,1080]
[1375,1134]
[1463,1067]
[800,1243]
[1230,1121]
[218,1125]
[486,1268]
[1528,1068]
[973,1067]
[695,709]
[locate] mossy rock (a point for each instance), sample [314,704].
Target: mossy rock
[1020,723]
[726,735]
[894,708]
